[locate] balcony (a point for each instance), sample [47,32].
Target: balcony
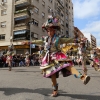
[21,3]
[21,26]
[21,11]
[61,3]
[22,18]
[20,14]
[21,34]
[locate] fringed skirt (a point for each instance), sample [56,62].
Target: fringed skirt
[54,63]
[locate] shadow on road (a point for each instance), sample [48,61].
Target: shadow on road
[47,92]
[81,97]
[27,71]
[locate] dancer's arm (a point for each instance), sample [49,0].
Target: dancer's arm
[40,42]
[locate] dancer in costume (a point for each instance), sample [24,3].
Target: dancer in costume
[54,60]
[95,60]
[9,57]
[27,60]
[82,55]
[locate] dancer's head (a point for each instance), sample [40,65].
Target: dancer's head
[51,23]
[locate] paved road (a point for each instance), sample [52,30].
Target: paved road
[27,83]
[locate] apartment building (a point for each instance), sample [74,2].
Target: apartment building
[92,40]
[70,19]
[78,32]
[5,23]
[24,18]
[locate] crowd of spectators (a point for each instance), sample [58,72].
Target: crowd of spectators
[18,60]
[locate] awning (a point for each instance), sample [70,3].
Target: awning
[20,32]
[20,18]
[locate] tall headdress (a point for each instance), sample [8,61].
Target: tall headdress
[52,21]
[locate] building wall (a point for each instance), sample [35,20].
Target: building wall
[71,19]
[8,19]
[91,39]
[64,12]
[78,32]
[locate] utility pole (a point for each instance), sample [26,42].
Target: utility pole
[31,22]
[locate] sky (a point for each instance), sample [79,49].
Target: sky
[87,17]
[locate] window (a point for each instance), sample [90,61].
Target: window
[66,5]
[67,34]
[2,37]
[43,15]
[34,35]
[36,10]
[66,17]
[5,1]
[66,25]
[3,12]
[35,22]
[62,15]
[59,11]
[43,3]
[50,1]
[49,9]
[3,24]
[62,22]
[16,0]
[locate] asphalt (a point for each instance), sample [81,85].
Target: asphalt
[27,83]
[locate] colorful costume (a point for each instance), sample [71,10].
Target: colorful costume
[82,55]
[54,59]
[9,57]
[95,61]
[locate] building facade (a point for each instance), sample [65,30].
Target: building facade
[5,23]
[78,32]
[92,40]
[22,20]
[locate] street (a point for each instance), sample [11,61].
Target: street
[27,83]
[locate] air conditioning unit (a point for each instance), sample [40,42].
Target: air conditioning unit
[2,3]
[3,26]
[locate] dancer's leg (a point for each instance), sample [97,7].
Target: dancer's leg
[55,85]
[84,77]
[84,66]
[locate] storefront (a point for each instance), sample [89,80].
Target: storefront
[20,49]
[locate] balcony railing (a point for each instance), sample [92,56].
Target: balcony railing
[24,17]
[61,3]
[21,11]
[21,3]
[21,26]
[25,13]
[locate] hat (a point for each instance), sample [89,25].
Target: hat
[52,22]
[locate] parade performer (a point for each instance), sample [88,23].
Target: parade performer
[82,54]
[54,60]
[27,60]
[9,57]
[95,60]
